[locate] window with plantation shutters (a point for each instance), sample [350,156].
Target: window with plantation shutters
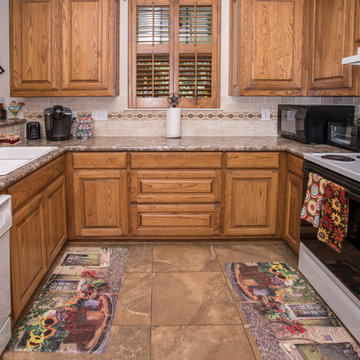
[174,48]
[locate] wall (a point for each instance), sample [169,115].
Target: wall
[238,116]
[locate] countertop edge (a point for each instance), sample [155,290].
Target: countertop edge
[159,144]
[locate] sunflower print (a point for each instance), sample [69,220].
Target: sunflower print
[334,216]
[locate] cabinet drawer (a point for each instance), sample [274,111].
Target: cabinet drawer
[25,189]
[99,160]
[251,160]
[173,160]
[165,220]
[175,186]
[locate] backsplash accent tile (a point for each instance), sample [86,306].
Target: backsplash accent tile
[194,123]
[239,116]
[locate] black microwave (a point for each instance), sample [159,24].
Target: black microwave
[309,123]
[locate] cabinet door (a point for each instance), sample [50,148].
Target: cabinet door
[100,202]
[272,40]
[294,186]
[251,202]
[332,37]
[34,48]
[88,46]
[55,226]
[235,44]
[28,259]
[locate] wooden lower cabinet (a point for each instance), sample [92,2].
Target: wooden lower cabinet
[55,225]
[173,220]
[28,252]
[251,202]
[100,202]
[38,231]
[293,202]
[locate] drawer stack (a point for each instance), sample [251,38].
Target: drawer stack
[175,193]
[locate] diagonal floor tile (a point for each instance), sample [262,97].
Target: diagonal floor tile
[225,342]
[248,252]
[184,257]
[192,298]
[134,302]
[139,258]
[128,342]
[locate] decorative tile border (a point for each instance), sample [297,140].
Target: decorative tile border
[194,123]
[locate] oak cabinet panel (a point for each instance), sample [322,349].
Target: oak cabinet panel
[88,45]
[271,44]
[293,202]
[172,220]
[151,186]
[100,202]
[28,256]
[251,202]
[332,37]
[63,47]
[99,160]
[252,160]
[35,46]
[55,205]
[176,160]
[39,229]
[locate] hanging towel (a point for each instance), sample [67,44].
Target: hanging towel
[334,216]
[313,199]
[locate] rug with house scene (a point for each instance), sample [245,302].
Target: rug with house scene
[75,309]
[286,316]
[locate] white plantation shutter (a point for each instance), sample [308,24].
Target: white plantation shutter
[174,47]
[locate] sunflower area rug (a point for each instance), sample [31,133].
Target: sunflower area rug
[75,309]
[286,316]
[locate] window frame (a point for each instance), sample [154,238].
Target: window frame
[174,49]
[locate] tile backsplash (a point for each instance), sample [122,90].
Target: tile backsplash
[238,116]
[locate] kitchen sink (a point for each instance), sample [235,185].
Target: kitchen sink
[12,158]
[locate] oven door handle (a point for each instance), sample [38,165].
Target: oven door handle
[352,187]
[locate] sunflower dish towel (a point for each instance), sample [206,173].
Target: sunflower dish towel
[334,216]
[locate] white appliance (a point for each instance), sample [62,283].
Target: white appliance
[5,305]
[335,276]
[352,60]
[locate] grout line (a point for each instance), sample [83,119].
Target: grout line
[237,306]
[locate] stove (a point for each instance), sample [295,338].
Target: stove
[345,164]
[335,276]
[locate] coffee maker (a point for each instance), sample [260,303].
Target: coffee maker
[58,122]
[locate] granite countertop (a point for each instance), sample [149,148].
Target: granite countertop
[249,143]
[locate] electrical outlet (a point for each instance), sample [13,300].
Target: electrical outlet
[99,115]
[265,114]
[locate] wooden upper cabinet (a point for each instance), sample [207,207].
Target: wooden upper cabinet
[88,46]
[271,45]
[332,37]
[34,46]
[63,48]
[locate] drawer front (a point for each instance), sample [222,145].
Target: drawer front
[175,186]
[99,160]
[165,220]
[252,160]
[26,188]
[173,160]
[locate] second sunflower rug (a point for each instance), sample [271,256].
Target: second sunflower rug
[286,316]
[75,310]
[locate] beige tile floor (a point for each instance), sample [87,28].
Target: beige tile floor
[176,303]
